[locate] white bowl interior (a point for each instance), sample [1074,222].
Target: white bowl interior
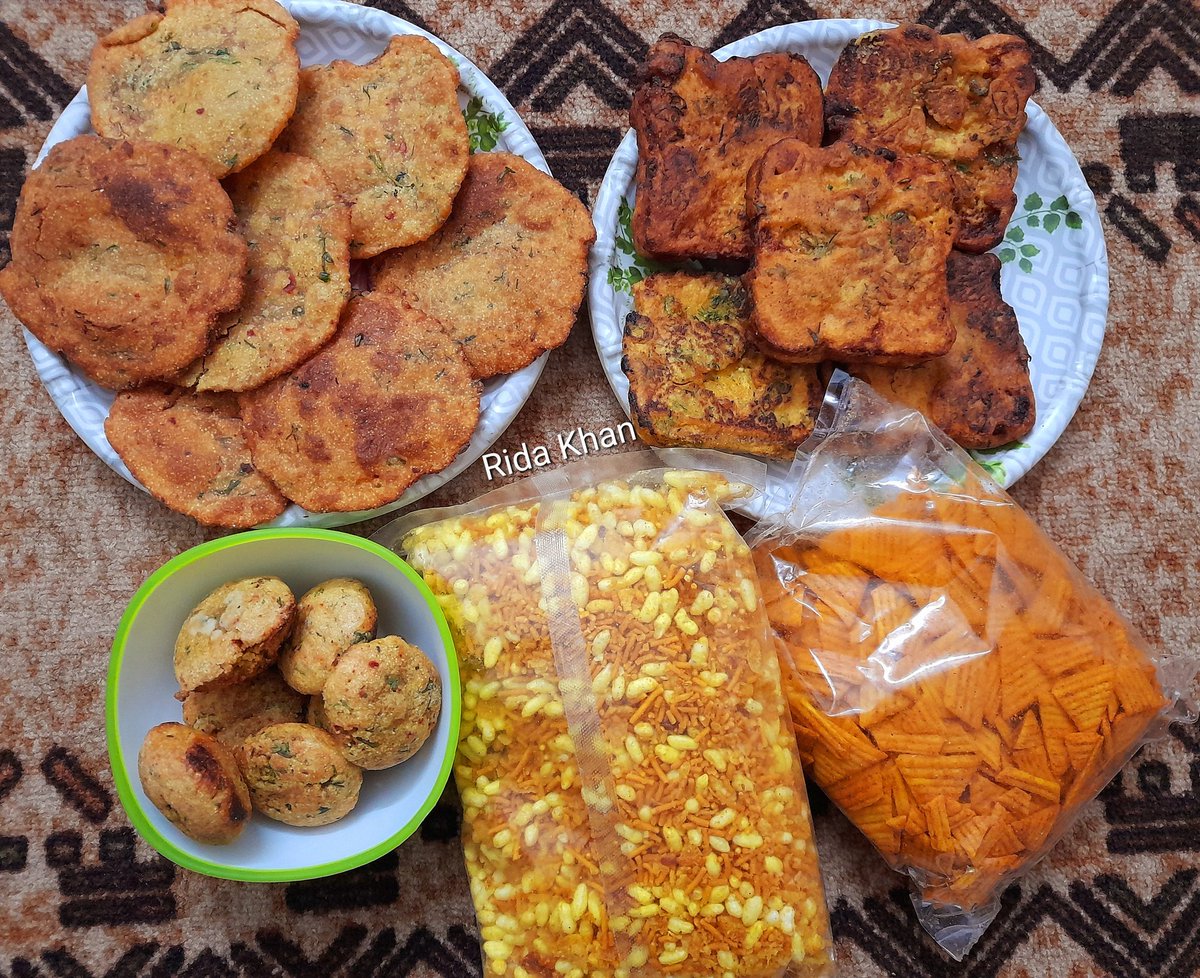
[146,686]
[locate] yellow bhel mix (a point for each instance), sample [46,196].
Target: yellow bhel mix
[633,799]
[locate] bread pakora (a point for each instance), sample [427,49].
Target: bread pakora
[298,231]
[217,77]
[979,393]
[297,775]
[329,619]
[955,100]
[123,258]
[190,451]
[506,273]
[389,399]
[381,702]
[234,633]
[392,138]
[233,713]
[701,125]
[696,379]
[850,252]
[194,781]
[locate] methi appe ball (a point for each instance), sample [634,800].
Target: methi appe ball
[234,633]
[329,619]
[382,701]
[194,781]
[233,713]
[297,775]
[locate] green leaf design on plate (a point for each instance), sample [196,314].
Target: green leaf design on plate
[1052,221]
[1036,215]
[1060,203]
[483,127]
[993,468]
[1025,265]
[1033,202]
[1006,255]
[1074,221]
[1030,250]
[623,278]
[1015,233]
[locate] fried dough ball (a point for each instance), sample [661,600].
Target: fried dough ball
[233,713]
[297,775]
[329,619]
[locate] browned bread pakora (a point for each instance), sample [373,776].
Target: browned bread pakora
[955,100]
[389,399]
[190,451]
[123,258]
[850,254]
[696,379]
[505,274]
[979,393]
[391,137]
[299,279]
[701,125]
[217,77]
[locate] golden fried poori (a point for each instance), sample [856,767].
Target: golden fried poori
[506,273]
[123,258]
[233,713]
[388,400]
[329,619]
[217,77]
[391,137]
[189,450]
[297,775]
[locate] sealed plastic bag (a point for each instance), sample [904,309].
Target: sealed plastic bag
[958,688]
[633,800]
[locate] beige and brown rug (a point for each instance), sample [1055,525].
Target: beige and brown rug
[80,896]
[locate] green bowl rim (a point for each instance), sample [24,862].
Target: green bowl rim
[129,800]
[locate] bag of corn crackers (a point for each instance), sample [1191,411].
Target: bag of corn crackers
[633,799]
[959,689]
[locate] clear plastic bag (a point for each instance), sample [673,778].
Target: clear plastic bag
[959,689]
[633,797]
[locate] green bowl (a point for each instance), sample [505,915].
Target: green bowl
[141,689]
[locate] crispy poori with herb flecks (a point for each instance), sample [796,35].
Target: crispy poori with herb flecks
[232,713]
[505,274]
[216,77]
[391,137]
[850,249]
[297,775]
[697,380]
[189,450]
[298,282]
[123,258]
[701,125]
[330,618]
[381,702]
[389,399]
[194,780]
[234,633]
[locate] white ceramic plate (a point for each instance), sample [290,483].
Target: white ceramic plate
[1055,273]
[328,30]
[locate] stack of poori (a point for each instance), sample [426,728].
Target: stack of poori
[285,704]
[195,256]
[857,217]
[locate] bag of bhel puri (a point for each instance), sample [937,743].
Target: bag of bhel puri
[633,799]
[958,688]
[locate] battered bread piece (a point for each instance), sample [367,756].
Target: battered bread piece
[391,137]
[979,393]
[234,633]
[959,101]
[505,274]
[217,77]
[299,279]
[123,258]
[189,450]
[329,619]
[233,713]
[850,254]
[194,781]
[701,125]
[297,775]
[388,400]
[381,702]
[696,379]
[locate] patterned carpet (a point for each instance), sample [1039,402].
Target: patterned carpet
[1119,896]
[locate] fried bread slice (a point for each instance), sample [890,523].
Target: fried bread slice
[701,125]
[696,379]
[979,393]
[955,100]
[850,249]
